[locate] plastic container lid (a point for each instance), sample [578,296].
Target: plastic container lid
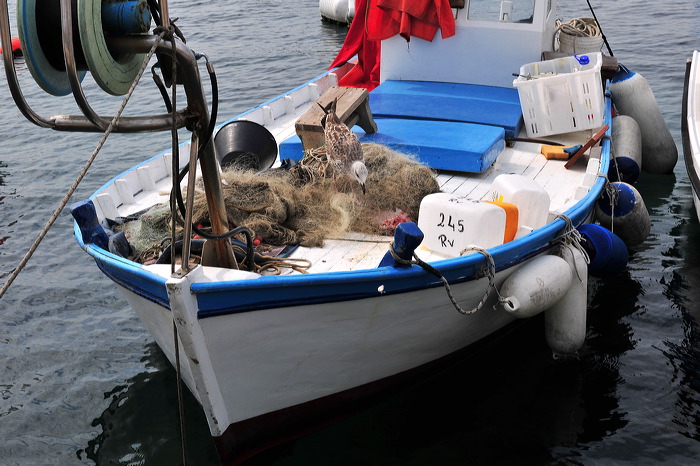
[583,59]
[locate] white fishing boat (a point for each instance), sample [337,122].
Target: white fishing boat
[690,126]
[486,152]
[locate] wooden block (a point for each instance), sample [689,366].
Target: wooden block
[352,109]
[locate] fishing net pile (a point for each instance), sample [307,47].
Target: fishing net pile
[303,205]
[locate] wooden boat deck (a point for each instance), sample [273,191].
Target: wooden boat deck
[148,184]
[356,251]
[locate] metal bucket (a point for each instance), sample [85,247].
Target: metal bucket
[245,145]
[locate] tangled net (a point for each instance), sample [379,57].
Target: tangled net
[303,205]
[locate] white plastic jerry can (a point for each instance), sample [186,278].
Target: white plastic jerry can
[528,196]
[452,223]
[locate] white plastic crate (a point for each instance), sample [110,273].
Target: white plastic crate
[561,95]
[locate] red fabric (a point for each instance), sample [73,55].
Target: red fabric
[418,18]
[366,72]
[376,20]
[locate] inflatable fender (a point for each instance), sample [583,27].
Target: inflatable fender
[565,321]
[633,96]
[628,217]
[535,286]
[626,164]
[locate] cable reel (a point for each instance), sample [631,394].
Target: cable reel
[39,26]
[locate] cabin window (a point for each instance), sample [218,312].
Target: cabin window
[514,11]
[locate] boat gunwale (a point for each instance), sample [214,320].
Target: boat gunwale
[456,269]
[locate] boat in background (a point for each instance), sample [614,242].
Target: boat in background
[337,11]
[690,126]
[293,295]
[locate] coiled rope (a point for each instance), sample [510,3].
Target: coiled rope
[579,27]
[81,175]
[583,27]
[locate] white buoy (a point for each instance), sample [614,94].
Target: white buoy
[536,286]
[627,217]
[633,96]
[565,321]
[626,149]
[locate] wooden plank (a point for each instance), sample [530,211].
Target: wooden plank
[355,255]
[590,143]
[443,178]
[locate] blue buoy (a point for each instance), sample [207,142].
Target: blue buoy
[607,252]
[627,216]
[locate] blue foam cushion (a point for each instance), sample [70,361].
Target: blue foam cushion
[470,103]
[443,145]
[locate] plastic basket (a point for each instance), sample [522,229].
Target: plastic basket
[561,95]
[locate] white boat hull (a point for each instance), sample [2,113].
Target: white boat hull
[258,364]
[335,346]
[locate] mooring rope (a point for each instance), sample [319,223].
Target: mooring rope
[490,273]
[612,154]
[572,237]
[613,194]
[612,191]
[81,175]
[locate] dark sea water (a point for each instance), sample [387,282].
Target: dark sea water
[81,381]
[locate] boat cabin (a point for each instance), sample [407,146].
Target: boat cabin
[516,32]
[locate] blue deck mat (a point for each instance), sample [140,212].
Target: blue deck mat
[486,105]
[443,145]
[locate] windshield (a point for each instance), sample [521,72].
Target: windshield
[516,11]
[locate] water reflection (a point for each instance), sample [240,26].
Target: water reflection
[684,292]
[612,299]
[141,424]
[5,222]
[3,174]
